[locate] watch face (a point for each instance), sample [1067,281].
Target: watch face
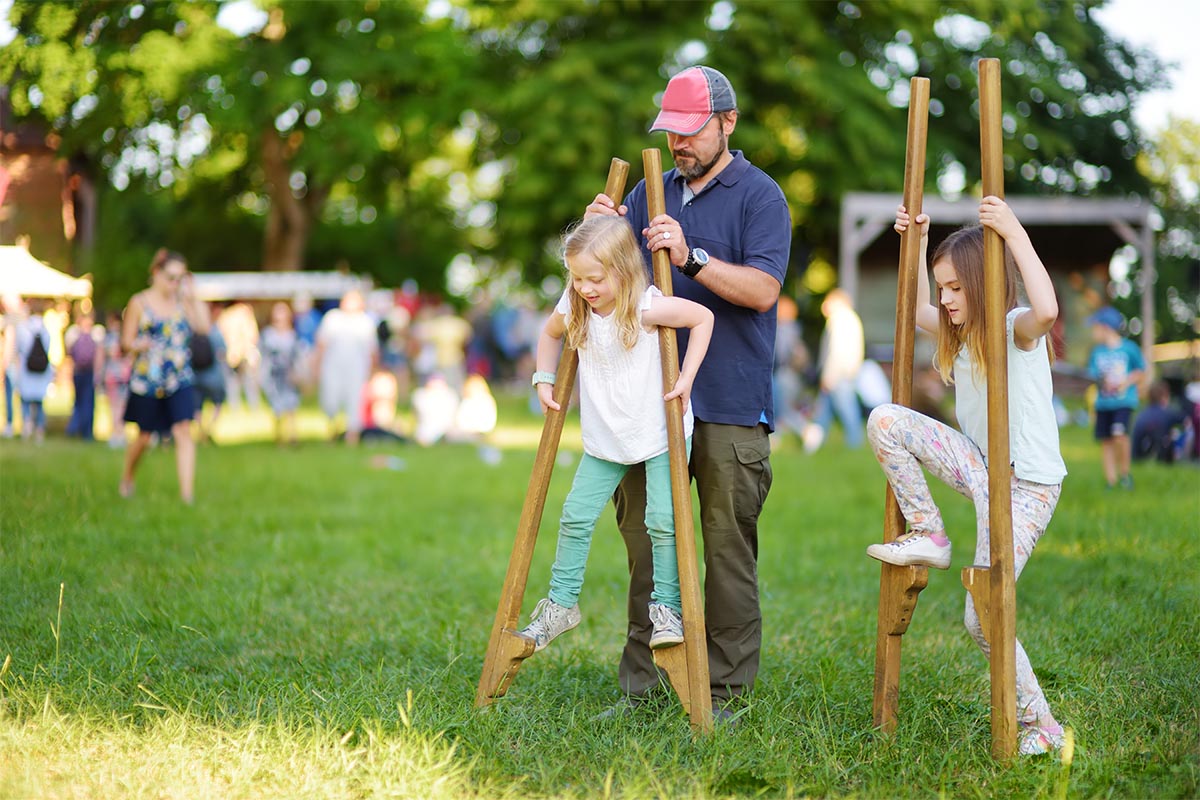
[700,255]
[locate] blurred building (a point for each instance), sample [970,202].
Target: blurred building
[46,200]
[1076,238]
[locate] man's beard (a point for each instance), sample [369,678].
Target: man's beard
[693,169]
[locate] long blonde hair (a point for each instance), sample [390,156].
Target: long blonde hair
[964,250]
[610,241]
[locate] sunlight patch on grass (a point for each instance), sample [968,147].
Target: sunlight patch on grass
[254,645]
[53,755]
[527,437]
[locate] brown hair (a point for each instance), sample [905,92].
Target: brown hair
[1160,393]
[964,250]
[610,241]
[162,256]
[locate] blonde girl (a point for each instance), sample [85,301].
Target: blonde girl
[904,441]
[611,316]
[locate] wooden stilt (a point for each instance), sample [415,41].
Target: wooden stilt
[1002,635]
[978,583]
[899,587]
[506,651]
[695,692]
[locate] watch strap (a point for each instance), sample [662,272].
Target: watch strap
[691,267]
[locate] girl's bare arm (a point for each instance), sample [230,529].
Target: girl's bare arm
[927,312]
[129,324]
[1043,303]
[549,348]
[676,312]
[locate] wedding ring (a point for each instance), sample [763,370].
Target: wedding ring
[667,235]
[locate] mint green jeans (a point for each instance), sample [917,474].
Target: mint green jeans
[594,484]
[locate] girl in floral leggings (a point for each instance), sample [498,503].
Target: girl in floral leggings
[904,441]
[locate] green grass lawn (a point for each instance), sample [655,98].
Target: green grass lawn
[315,627]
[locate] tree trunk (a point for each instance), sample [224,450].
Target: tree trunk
[289,218]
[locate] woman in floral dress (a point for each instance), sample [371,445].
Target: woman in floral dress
[155,330]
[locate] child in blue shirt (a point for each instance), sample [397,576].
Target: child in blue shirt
[1117,367]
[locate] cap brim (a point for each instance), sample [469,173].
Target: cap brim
[680,123]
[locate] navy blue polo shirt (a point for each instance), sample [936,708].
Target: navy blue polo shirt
[740,217]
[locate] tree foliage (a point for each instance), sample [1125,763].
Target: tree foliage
[1172,164]
[823,90]
[395,135]
[321,118]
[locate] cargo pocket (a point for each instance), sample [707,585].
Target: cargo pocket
[755,481]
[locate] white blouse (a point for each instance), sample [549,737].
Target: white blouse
[1032,424]
[622,414]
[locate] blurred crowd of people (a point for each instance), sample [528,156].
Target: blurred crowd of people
[364,360]
[371,356]
[840,382]
[843,383]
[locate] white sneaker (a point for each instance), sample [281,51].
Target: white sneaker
[1035,740]
[814,437]
[549,620]
[668,626]
[912,549]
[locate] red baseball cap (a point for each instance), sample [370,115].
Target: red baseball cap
[691,98]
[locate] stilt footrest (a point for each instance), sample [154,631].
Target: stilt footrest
[977,581]
[674,661]
[899,588]
[499,672]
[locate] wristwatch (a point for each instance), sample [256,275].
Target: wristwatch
[543,377]
[697,260]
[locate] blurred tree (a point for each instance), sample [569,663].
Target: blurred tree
[404,133]
[573,84]
[324,116]
[823,90]
[1171,161]
[337,104]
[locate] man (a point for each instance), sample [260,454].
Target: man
[728,232]
[842,355]
[239,329]
[346,355]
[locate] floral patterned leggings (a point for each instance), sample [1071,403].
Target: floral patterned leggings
[904,441]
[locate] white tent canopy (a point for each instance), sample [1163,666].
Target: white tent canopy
[22,274]
[271,285]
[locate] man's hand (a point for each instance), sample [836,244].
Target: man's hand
[664,233]
[603,206]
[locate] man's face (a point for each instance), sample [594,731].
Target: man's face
[695,155]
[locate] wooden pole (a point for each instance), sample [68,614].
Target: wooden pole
[506,650]
[900,586]
[1003,609]
[698,697]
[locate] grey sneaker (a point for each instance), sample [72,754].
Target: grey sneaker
[549,620]
[914,548]
[668,626]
